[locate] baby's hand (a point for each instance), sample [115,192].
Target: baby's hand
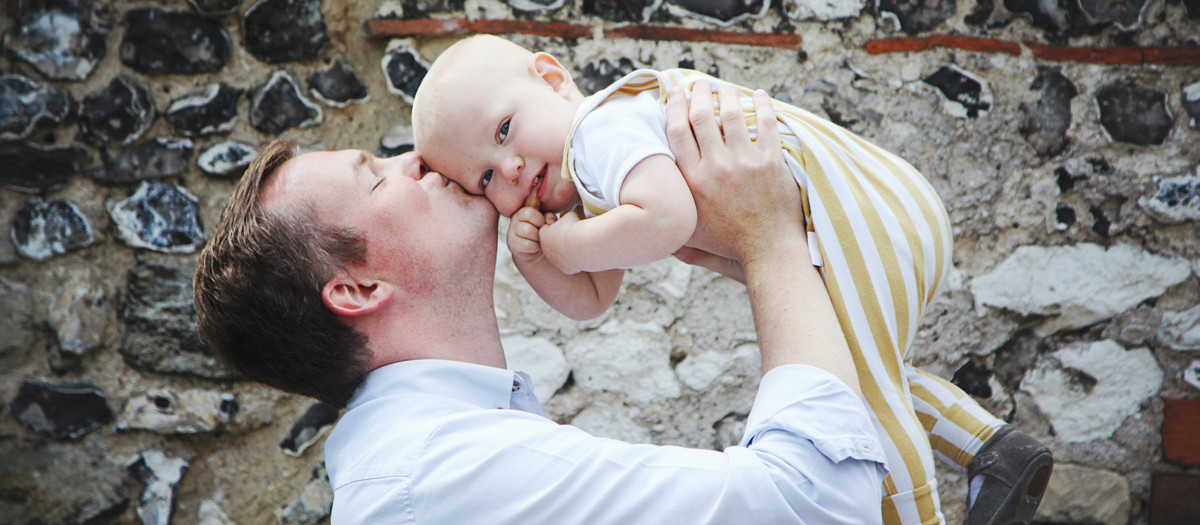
[523,236]
[554,243]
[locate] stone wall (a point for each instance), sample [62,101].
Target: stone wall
[1062,135]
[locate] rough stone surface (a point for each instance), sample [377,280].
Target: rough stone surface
[599,74]
[308,429]
[1077,285]
[278,106]
[34,169]
[541,359]
[963,94]
[1176,200]
[60,410]
[214,7]
[160,217]
[722,12]
[397,141]
[152,159]
[622,10]
[1044,123]
[535,5]
[226,159]
[628,357]
[16,317]
[1134,114]
[1180,331]
[822,10]
[167,411]
[120,113]
[403,68]
[80,313]
[338,86]
[1088,389]
[1078,494]
[158,42]
[51,483]
[701,369]
[212,110]
[915,16]
[62,39]
[1126,15]
[284,30]
[1191,104]
[26,104]
[43,229]
[160,474]
[609,422]
[314,504]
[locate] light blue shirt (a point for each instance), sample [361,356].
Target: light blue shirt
[443,442]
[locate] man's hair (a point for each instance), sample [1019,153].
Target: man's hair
[258,289]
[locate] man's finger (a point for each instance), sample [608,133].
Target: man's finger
[700,114]
[679,130]
[733,119]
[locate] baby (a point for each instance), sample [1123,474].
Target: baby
[511,125]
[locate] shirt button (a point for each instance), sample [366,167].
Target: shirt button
[516,386]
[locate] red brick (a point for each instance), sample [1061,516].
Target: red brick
[780,40]
[922,43]
[1174,498]
[1181,431]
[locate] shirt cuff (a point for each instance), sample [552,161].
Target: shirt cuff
[814,405]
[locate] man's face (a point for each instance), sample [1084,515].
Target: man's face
[507,141]
[411,218]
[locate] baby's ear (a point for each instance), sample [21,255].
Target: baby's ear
[546,67]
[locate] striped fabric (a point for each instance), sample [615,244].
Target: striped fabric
[885,244]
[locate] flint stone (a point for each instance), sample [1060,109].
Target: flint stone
[822,10]
[1064,216]
[158,42]
[1077,286]
[16,317]
[625,356]
[284,30]
[51,483]
[160,474]
[154,158]
[1125,14]
[308,429]
[43,229]
[702,369]
[1180,331]
[410,9]
[606,421]
[722,12]
[973,378]
[160,217]
[1191,373]
[622,10]
[160,322]
[600,74]
[315,502]
[213,110]
[1177,199]
[80,313]
[1193,8]
[1079,494]
[403,68]
[1088,389]
[62,411]
[214,7]
[1044,123]
[541,359]
[26,104]
[1134,114]
[963,94]
[1058,17]
[535,5]
[62,39]
[168,411]
[120,113]
[915,16]
[1137,327]
[226,159]
[396,141]
[33,168]
[1191,102]
[278,106]
[338,86]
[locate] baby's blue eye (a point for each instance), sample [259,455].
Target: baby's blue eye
[503,134]
[487,177]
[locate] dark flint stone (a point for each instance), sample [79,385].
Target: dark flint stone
[307,429]
[160,474]
[973,378]
[226,159]
[43,229]
[1059,18]
[47,482]
[64,411]
[621,10]
[1193,8]
[26,104]
[719,11]
[213,110]
[160,321]
[1133,114]
[1177,199]
[601,73]
[158,42]
[154,158]
[1044,123]
[315,502]
[1191,104]
[960,88]
[160,217]
[118,114]
[1064,216]
[1066,180]
[916,16]
[535,5]
[397,141]
[278,106]
[215,7]
[410,9]
[284,30]
[1125,14]
[338,86]
[1100,221]
[62,39]
[404,69]
[33,168]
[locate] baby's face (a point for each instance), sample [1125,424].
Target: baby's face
[504,140]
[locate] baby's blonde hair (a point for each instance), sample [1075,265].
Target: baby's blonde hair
[479,57]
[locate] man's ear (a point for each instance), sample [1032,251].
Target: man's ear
[350,297]
[551,71]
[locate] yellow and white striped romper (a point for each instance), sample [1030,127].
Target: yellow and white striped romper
[885,246]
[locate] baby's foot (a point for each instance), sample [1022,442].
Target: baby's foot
[1007,478]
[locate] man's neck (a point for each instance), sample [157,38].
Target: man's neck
[466,334]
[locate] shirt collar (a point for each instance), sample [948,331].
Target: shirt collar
[479,385]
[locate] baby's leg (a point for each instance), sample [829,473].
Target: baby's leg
[957,425]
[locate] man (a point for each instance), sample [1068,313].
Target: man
[362,282]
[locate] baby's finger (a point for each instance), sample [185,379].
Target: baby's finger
[531,201]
